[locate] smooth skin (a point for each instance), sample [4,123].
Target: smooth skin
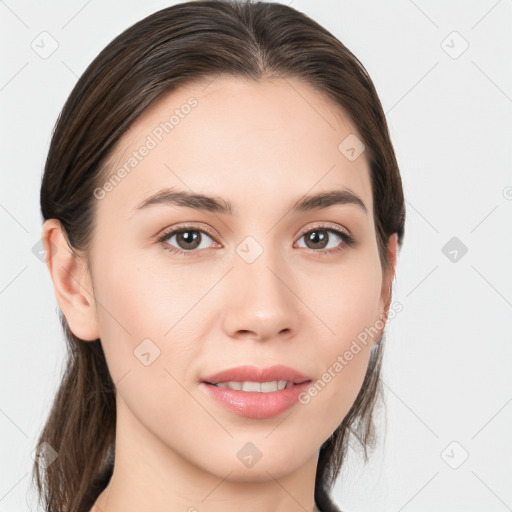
[261,146]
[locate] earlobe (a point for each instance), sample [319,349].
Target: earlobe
[71,281]
[393,254]
[387,283]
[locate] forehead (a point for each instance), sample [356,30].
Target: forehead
[253,143]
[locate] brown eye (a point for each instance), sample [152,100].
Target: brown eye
[186,240]
[317,239]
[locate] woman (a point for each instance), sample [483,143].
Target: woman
[222,213]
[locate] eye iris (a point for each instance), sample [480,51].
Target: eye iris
[191,239]
[315,236]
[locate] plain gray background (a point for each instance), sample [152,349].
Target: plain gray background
[443,73]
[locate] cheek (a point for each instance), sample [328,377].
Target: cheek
[330,397]
[345,361]
[348,303]
[145,365]
[135,300]
[348,307]
[128,315]
[145,317]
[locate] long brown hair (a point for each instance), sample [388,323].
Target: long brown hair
[166,50]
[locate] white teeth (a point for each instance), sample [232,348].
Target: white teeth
[269,386]
[252,386]
[261,387]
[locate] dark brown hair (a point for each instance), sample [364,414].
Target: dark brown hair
[171,48]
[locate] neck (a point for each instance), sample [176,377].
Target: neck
[149,475]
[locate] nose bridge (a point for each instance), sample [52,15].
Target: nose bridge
[261,300]
[258,265]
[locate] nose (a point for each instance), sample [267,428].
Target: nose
[260,301]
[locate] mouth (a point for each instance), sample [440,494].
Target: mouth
[257,387]
[256,400]
[254,392]
[252,378]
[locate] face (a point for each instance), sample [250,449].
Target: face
[262,284]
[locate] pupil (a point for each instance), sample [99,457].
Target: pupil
[189,238]
[317,236]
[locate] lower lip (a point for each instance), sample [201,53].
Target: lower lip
[253,404]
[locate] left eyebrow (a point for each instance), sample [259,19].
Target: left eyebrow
[215,204]
[326,199]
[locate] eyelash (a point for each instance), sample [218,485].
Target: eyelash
[347,239]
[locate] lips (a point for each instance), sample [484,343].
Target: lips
[255,405]
[254,374]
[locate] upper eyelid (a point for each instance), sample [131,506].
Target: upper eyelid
[321,224]
[324,225]
[172,231]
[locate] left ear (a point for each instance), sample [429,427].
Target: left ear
[387,281]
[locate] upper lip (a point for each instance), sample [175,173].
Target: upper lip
[255,374]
